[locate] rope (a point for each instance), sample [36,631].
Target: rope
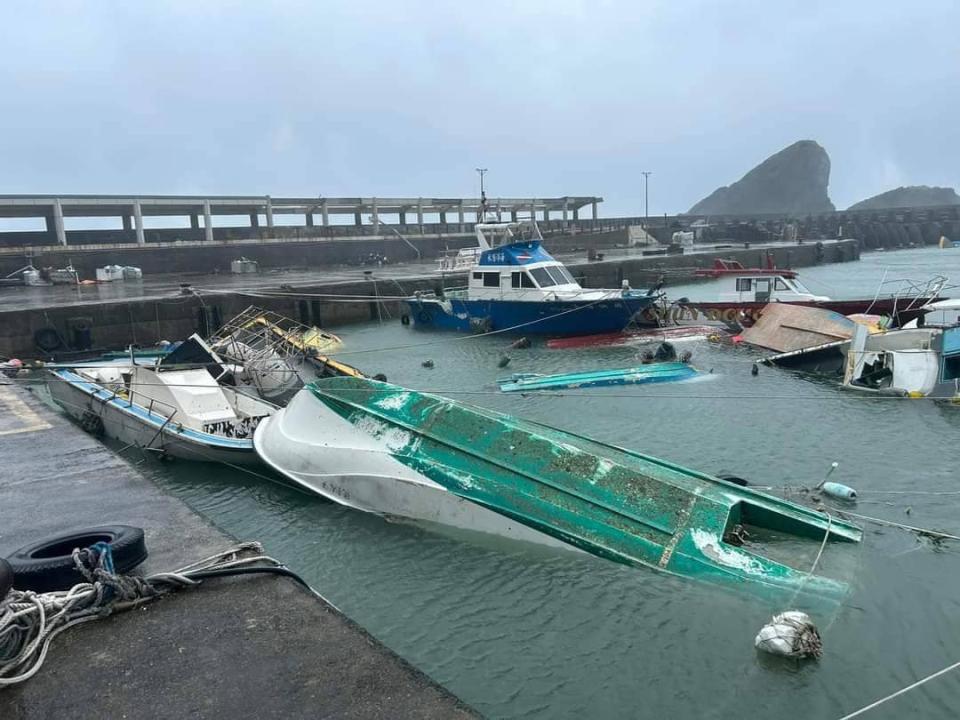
[30,621]
[908,688]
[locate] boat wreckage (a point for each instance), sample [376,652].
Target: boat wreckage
[387,450]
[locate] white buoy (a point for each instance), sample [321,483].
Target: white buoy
[790,634]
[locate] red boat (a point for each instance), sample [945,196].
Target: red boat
[754,288]
[630,337]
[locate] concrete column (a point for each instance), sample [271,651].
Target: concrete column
[127,223]
[58,223]
[576,214]
[460,212]
[357,220]
[546,214]
[138,218]
[269,212]
[254,220]
[498,210]
[513,216]
[443,217]
[420,214]
[194,221]
[594,205]
[533,209]
[566,209]
[308,219]
[207,222]
[402,217]
[324,213]
[376,217]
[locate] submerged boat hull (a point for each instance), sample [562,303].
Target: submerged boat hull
[653,373]
[679,333]
[567,317]
[115,417]
[383,449]
[902,310]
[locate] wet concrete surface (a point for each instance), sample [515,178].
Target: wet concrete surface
[249,647]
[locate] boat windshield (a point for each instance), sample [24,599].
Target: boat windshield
[798,286]
[551,275]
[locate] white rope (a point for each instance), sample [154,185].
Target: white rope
[918,683]
[30,621]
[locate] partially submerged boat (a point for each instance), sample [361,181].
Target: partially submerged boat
[912,362]
[677,333]
[395,452]
[164,405]
[514,283]
[749,290]
[652,373]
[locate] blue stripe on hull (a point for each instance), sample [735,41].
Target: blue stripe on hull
[536,318]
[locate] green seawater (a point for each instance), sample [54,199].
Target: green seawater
[519,631]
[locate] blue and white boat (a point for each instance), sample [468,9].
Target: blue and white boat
[169,404]
[514,284]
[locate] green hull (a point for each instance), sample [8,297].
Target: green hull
[609,501]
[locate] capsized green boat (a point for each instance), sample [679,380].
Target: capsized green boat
[652,373]
[385,449]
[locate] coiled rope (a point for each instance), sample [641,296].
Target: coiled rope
[30,621]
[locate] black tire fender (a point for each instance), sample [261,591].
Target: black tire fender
[6,578]
[47,565]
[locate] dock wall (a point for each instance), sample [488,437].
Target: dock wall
[113,325]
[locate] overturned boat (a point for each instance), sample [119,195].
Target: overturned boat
[171,404]
[383,449]
[641,375]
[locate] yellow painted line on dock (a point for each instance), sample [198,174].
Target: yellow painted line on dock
[17,409]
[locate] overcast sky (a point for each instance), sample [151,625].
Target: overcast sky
[407,98]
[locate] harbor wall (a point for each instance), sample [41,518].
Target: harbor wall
[114,325]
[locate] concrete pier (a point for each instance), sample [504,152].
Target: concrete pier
[158,310]
[248,647]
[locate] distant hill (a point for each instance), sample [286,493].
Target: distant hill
[909,196]
[792,181]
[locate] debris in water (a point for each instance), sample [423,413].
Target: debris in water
[838,491]
[504,361]
[790,634]
[520,344]
[427,363]
[755,370]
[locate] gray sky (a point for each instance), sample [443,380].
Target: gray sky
[407,98]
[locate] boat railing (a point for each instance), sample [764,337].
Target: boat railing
[149,403]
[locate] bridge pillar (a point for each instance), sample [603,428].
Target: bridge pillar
[460,213]
[402,216]
[443,217]
[269,212]
[254,219]
[357,220]
[513,216]
[546,214]
[324,213]
[308,219]
[58,223]
[576,214]
[420,214]
[533,210]
[138,218]
[194,221]
[376,216]
[594,206]
[566,211]
[127,223]
[207,222]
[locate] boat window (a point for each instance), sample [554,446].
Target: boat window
[743,284]
[951,368]
[491,279]
[558,278]
[542,278]
[781,285]
[522,280]
[478,276]
[566,274]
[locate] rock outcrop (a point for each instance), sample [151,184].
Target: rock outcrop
[909,196]
[793,181]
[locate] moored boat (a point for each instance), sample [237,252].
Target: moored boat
[173,409]
[395,452]
[513,283]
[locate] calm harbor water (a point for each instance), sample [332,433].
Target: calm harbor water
[522,632]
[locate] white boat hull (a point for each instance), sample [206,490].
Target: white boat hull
[134,425]
[319,450]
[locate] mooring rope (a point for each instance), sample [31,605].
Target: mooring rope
[30,621]
[908,688]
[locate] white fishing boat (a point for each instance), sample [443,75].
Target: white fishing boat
[166,404]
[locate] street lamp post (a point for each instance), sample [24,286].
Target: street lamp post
[646,196]
[481,216]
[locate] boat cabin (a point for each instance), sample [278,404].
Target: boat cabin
[521,271]
[758,285]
